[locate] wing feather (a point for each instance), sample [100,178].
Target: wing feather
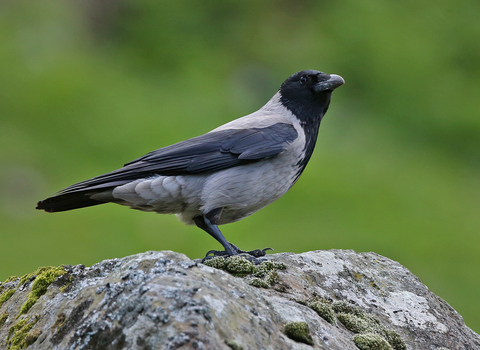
[210,152]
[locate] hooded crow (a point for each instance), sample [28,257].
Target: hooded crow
[224,175]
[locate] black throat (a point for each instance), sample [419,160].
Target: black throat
[310,113]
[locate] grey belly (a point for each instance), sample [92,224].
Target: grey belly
[241,191]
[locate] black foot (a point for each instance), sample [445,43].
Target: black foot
[214,253]
[257,253]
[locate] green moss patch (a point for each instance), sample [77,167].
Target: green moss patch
[299,332]
[32,337]
[3,318]
[369,328]
[259,283]
[239,266]
[394,339]
[370,334]
[262,276]
[217,262]
[371,341]
[44,278]
[355,323]
[19,335]
[323,309]
[233,345]
[346,308]
[6,295]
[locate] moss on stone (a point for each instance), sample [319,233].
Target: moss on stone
[354,323]
[263,275]
[217,262]
[394,339]
[259,283]
[346,308]
[239,266]
[32,337]
[19,332]
[299,332]
[271,278]
[280,266]
[371,341]
[60,321]
[323,309]
[3,318]
[264,268]
[16,327]
[356,320]
[65,287]
[6,295]
[233,345]
[44,277]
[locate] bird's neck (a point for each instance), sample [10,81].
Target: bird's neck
[310,122]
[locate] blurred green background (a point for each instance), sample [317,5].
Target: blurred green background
[86,86]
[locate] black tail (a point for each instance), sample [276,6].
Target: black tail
[68,201]
[80,195]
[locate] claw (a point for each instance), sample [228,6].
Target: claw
[214,253]
[259,252]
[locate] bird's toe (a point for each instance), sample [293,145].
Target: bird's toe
[215,253]
[257,253]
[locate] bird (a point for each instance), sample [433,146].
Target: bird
[224,175]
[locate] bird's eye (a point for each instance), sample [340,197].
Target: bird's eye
[303,80]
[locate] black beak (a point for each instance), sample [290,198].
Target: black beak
[330,84]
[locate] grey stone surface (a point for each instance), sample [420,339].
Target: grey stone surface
[164,300]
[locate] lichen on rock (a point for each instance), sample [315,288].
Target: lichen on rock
[164,300]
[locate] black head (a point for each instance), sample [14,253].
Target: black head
[307,94]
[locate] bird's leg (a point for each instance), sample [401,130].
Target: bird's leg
[208,223]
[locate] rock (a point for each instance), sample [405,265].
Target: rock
[163,300]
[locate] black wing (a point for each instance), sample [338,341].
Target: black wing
[211,152]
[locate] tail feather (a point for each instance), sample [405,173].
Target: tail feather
[80,195]
[68,201]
